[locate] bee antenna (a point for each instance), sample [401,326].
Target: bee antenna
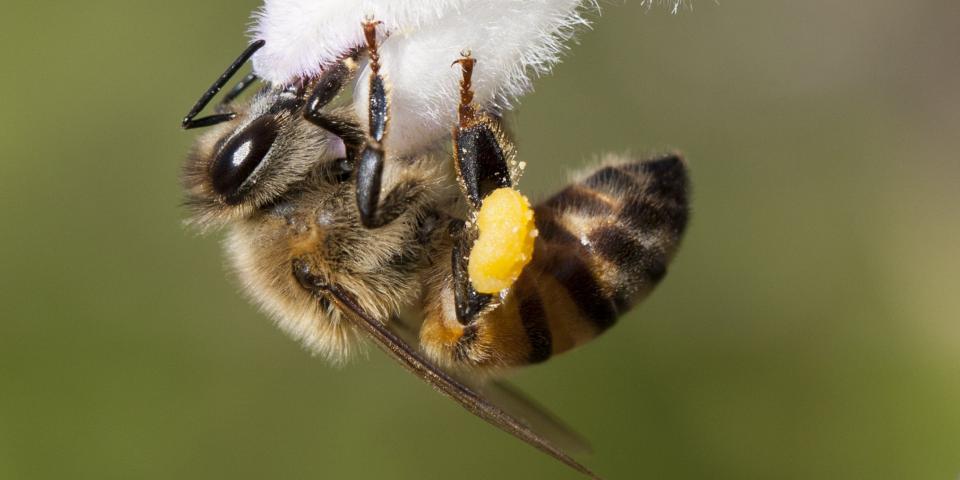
[190,122]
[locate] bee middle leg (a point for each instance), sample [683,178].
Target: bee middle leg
[370,171]
[482,157]
[363,149]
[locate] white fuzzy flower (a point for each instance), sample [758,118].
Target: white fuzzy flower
[512,40]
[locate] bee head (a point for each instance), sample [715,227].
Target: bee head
[243,164]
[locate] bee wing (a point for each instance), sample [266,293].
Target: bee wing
[539,418]
[440,380]
[509,398]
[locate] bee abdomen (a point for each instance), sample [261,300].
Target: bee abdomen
[607,239]
[604,243]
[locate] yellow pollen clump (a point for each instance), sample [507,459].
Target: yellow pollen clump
[505,241]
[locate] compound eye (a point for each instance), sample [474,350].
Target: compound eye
[240,156]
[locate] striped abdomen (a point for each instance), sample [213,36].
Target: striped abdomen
[604,243]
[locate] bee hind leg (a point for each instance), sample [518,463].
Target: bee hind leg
[482,158]
[481,149]
[468,302]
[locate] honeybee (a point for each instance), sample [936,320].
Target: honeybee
[297,181]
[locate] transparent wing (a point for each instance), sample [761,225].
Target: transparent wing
[440,380]
[539,418]
[509,398]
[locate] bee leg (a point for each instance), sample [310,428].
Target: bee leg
[373,212]
[369,177]
[469,303]
[481,156]
[370,170]
[328,86]
[482,151]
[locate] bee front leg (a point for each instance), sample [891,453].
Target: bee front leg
[468,302]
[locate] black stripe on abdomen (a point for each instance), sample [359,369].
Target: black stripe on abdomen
[616,245]
[638,267]
[579,199]
[667,179]
[566,261]
[570,270]
[533,317]
[550,229]
[663,203]
[612,181]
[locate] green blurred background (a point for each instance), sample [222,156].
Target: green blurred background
[808,329]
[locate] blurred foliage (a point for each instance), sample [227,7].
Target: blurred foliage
[809,327]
